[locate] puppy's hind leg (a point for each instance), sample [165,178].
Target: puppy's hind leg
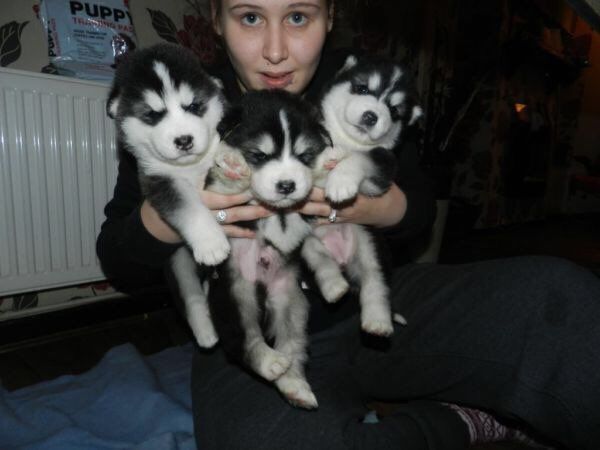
[290,315]
[328,274]
[194,296]
[265,361]
[375,314]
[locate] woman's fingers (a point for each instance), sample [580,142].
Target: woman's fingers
[238,232]
[316,209]
[216,201]
[317,195]
[243,213]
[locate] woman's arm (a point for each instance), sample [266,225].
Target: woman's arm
[130,255]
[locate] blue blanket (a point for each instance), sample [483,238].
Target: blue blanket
[127,401]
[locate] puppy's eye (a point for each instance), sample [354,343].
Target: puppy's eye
[194,107]
[397,112]
[360,89]
[307,156]
[256,155]
[153,116]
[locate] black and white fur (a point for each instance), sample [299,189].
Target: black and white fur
[364,108]
[167,110]
[257,304]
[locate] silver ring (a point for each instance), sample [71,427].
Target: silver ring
[332,216]
[221,216]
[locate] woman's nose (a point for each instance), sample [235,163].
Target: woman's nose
[275,46]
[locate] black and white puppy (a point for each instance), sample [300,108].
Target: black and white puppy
[167,110]
[258,308]
[364,108]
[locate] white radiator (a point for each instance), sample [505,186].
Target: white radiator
[58,165]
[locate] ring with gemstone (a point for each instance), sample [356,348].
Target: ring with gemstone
[221,216]
[332,216]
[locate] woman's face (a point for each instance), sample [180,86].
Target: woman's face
[273,43]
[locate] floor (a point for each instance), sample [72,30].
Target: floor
[72,341]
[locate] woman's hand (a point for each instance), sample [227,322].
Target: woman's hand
[383,211]
[236,209]
[234,206]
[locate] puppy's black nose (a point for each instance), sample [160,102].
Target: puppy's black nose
[369,118]
[285,186]
[184,142]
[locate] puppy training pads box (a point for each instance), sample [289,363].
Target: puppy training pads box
[86,39]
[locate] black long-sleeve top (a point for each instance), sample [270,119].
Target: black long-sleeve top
[132,258]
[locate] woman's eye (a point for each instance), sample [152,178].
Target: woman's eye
[297,19]
[250,19]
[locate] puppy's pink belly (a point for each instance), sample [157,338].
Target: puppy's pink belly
[261,264]
[339,240]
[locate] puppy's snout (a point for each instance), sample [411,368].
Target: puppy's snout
[285,187]
[184,142]
[369,118]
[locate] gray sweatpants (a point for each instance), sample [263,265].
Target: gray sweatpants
[519,337]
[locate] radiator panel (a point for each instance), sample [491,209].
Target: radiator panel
[58,165]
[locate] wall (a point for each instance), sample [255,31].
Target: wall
[23,46]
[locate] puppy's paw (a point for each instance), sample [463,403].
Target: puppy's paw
[206,338]
[232,165]
[273,365]
[377,321]
[297,391]
[340,188]
[212,250]
[331,156]
[334,289]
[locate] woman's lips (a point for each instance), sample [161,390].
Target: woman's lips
[277,80]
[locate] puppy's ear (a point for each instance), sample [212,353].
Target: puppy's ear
[414,110]
[112,104]
[231,119]
[416,114]
[218,82]
[350,62]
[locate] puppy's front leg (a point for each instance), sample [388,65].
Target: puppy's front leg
[345,178]
[199,228]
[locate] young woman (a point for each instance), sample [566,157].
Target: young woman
[515,337]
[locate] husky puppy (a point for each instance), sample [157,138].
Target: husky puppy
[364,109]
[167,110]
[257,292]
